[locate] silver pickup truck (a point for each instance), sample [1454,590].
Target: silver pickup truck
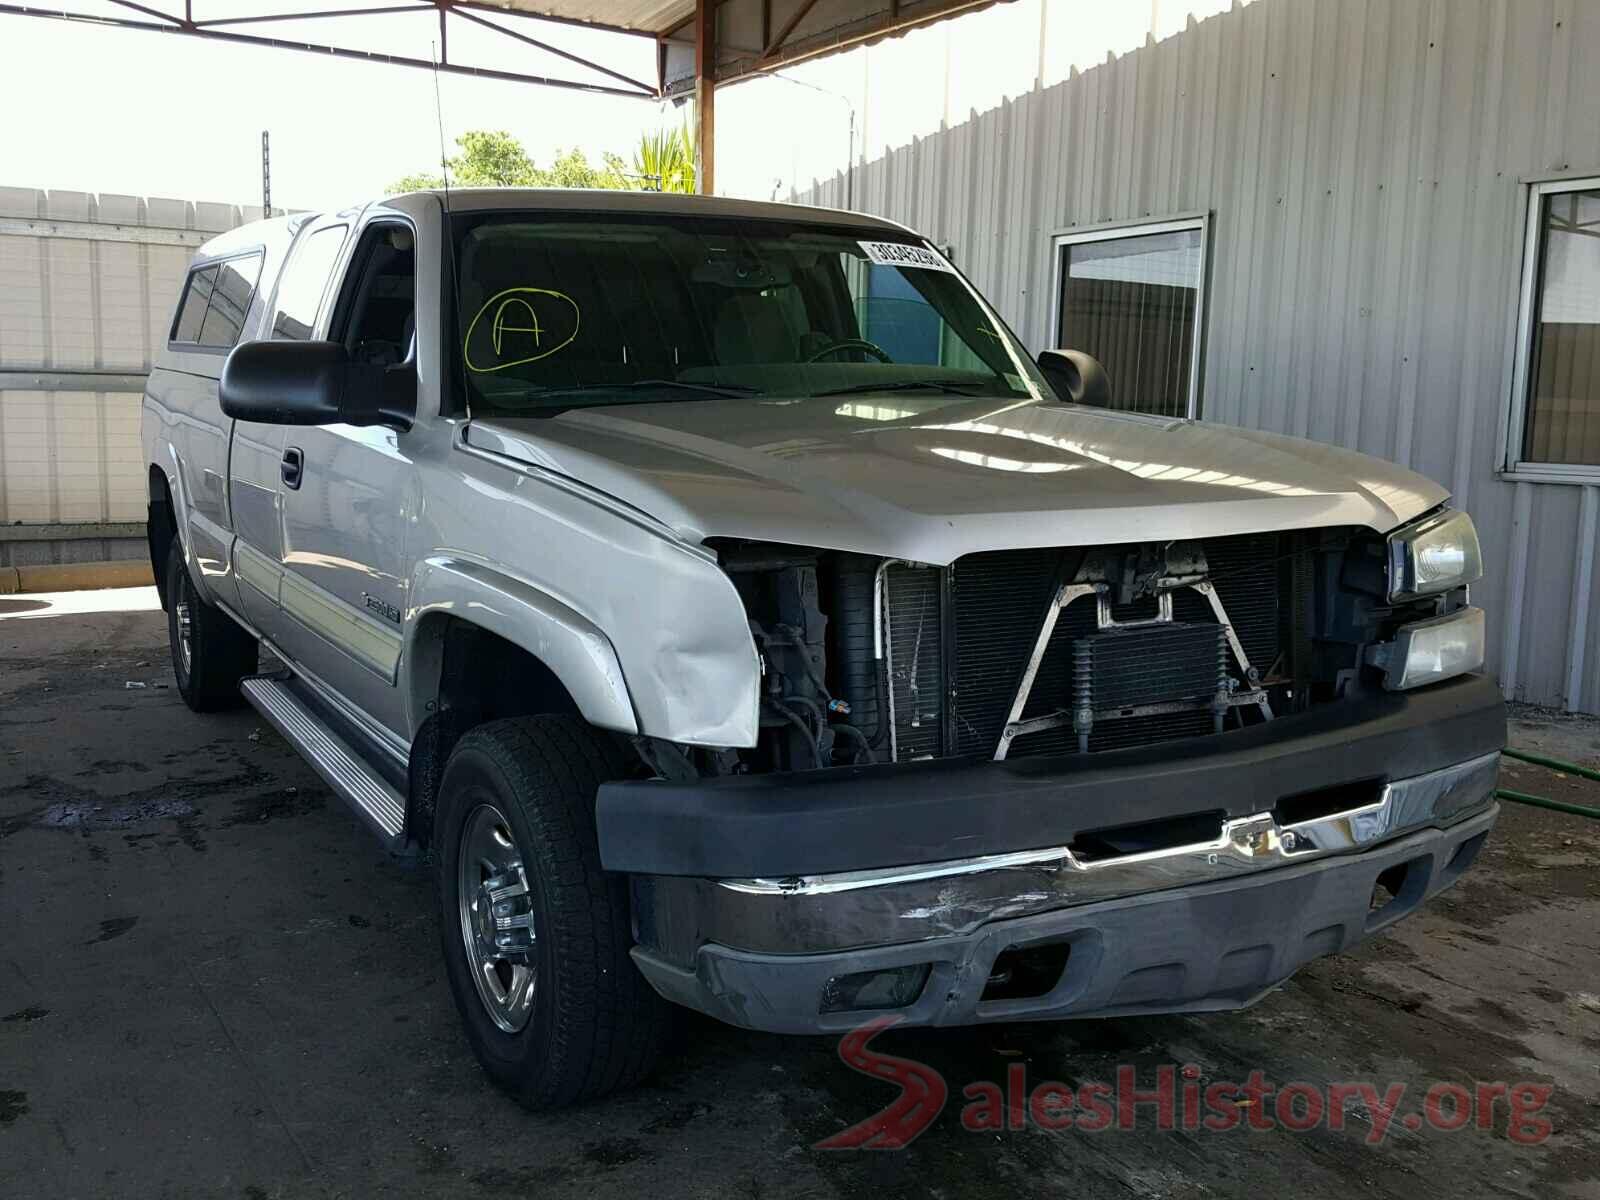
[738,616]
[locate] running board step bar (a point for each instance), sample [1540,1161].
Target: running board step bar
[374,800]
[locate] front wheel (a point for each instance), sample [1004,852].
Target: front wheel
[536,934]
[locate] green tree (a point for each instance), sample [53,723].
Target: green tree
[664,160]
[572,169]
[494,158]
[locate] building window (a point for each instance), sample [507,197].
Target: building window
[1555,419]
[1134,297]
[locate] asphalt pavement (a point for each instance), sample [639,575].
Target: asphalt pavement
[213,983]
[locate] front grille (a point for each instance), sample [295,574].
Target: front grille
[997,600]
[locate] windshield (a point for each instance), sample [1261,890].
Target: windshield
[560,311]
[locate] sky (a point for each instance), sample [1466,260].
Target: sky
[158,115]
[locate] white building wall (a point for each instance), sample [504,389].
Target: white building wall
[1362,161]
[87,287]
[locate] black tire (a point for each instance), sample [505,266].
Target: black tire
[595,1026]
[220,653]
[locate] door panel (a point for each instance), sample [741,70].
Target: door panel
[343,558]
[297,311]
[343,591]
[254,487]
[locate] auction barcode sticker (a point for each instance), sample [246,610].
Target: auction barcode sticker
[900,254]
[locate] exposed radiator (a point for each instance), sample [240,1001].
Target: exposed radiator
[914,640]
[991,607]
[1149,664]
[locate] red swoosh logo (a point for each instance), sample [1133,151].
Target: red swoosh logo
[921,1099]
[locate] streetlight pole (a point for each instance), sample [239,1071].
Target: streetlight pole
[266,176]
[850,162]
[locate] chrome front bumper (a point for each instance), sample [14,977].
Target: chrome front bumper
[1203,947]
[844,911]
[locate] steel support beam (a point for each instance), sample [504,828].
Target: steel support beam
[705,101]
[795,18]
[225,29]
[264,18]
[644,88]
[785,49]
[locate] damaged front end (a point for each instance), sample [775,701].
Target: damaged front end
[1062,650]
[973,780]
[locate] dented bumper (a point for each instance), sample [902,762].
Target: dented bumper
[1190,878]
[1199,948]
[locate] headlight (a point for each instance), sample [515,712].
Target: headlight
[1429,651]
[1433,555]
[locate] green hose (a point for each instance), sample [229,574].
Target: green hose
[1576,810]
[1555,764]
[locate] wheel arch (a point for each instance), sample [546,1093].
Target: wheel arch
[161,527]
[481,646]
[451,592]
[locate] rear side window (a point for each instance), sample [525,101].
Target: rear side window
[304,281]
[215,302]
[192,312]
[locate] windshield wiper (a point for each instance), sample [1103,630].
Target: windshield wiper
[643,385]
[713,389]
[908,385]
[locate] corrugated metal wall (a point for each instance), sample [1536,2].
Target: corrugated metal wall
[87,285]
[1361,159]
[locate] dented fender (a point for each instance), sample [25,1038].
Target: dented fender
[646,631]
[579,654]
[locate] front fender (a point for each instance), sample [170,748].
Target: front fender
[566,641]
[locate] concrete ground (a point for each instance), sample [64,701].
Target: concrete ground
[213,984]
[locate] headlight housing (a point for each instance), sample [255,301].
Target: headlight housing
[1433,555]
[1429,651]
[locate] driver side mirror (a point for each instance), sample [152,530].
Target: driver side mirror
[1077,378]
[315,383]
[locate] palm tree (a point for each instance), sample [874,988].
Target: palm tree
[665,160]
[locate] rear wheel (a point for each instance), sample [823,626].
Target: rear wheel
[210,653]
[536,934]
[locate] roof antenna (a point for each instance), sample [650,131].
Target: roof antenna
[438,112]
[454,347]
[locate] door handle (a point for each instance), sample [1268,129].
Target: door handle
[292,467]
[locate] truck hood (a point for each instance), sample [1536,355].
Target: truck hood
[932,477]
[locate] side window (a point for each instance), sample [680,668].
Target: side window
[230,301]
[376,316]
[192,310]
[216,301]
[303,283]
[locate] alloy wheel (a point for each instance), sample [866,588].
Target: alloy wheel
[496,916]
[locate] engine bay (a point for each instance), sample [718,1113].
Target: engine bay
[1072,650]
